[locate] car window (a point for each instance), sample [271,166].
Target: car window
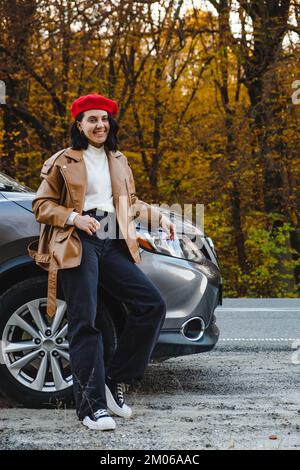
[8,184]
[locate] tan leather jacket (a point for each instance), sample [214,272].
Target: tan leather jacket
[62,190]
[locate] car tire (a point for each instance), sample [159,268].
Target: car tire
[22,386]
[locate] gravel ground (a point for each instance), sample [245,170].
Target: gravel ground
[219,400]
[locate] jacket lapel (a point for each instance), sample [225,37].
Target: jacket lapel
[115,171]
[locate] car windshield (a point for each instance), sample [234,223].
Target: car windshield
[8,184]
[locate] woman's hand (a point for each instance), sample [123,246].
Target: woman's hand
[86,223]
[168,227]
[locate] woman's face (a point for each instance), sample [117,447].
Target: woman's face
[95,126]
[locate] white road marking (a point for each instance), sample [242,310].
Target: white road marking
[259,339]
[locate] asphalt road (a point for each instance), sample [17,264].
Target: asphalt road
[267,323]
[242,395]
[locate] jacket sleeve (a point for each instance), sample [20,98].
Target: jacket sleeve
[142,210]
[46,205]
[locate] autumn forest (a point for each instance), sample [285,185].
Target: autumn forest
[209,97]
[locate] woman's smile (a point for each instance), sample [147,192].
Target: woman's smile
[95,126]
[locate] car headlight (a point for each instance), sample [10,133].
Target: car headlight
[184,246]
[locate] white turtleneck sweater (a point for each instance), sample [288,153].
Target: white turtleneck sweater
[99,191]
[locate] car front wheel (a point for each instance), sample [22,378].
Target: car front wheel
[34,350]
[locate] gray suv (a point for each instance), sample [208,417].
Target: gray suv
[34,358]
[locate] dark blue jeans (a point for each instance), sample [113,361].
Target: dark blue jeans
[107,262]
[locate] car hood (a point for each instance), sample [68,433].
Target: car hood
[21,199]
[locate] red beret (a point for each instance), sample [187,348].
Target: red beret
[93,101]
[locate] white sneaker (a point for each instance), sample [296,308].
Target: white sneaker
[100,420]
[115,399]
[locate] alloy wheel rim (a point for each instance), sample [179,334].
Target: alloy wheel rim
[35,349]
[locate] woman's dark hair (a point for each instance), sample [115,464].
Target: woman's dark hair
[80,142]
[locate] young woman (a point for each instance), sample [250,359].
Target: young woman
[85,189]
